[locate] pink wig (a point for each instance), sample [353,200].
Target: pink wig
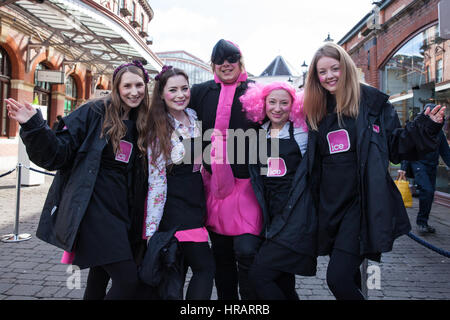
[254,102]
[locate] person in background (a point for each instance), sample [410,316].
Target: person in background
[354,134]
[176,198]
[57,121]
[424,171]
[234,217]
[291,250]
[99,151]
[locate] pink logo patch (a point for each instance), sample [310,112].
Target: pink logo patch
[376,128]
[338,141]
[124,154]
[276,167]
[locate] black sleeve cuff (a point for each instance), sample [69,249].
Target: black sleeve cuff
[34,122]
[432,127]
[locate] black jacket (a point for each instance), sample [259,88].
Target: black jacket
[162,267]
[380,139]
[384,216]
[431,159]
[204,100]
[296,227]
[75,151]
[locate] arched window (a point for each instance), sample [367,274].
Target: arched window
[71,95]
[42,91]
[416,75]
[5,76]
[410,75]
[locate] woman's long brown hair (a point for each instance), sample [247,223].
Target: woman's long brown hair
[158,125]
[113,126]
[348,87]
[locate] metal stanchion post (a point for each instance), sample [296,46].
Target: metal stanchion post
[364,267]
[16,237]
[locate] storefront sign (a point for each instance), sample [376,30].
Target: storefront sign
[50,76]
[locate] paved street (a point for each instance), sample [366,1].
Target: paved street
[31,269]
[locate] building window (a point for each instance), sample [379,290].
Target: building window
[133,12]
[5,76]
[411,76]
[42,91]
[71,95]
[439,70]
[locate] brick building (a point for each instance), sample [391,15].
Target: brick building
[400,50]
[60,53]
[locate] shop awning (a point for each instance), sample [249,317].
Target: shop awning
[96,37]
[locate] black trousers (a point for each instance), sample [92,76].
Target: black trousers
[198,256]
[272,284]
[344,276]
[125,281]
[233,256]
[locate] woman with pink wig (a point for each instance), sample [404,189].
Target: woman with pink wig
[279,109]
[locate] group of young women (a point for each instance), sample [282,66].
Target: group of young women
[128,167]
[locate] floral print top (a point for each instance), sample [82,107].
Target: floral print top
[157,180]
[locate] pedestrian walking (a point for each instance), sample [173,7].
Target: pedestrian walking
[424,173]
[176,196]
[57,121]
[354,133]
[283,254]
[99,150]
[234,217]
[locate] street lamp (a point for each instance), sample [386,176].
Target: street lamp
[328,39]
[304,67]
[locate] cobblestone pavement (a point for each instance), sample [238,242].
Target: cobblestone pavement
[31,269]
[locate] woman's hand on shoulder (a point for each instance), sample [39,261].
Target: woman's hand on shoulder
[19,111]
[437,114]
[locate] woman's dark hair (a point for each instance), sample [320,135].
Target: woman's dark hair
[158,124]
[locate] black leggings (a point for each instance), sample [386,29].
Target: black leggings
[233,256]
[344,276]
[198,256]
[125,281]
[272,284]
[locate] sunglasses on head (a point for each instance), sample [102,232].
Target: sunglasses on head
[231,59]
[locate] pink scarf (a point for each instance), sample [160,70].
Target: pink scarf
[231,203]
[222,180]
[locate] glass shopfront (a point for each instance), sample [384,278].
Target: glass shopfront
[417,74]
[71,95]
[42,91]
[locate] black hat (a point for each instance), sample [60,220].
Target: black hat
[224,50]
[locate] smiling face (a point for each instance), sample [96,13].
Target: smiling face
[131,90]
[176,94]
[278,107]
[227,72]
[328,72]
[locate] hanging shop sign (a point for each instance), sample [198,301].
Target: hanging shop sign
[50,76]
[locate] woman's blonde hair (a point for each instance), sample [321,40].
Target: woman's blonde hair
[347,92]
